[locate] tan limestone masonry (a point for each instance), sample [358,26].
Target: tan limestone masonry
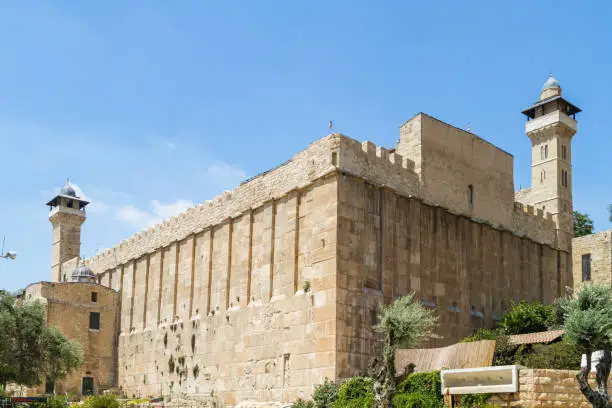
[67,307]
[599,246]
[545,389]
[269,288]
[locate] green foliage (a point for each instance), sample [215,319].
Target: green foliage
[58,401]
[29,350]
[556,356]
[420,390]
[504,353]
[101,401]
[356,392]
[406,322]
[583,224]
[588,319]
[527,317]
[610,211]
[300,403]
[475,401]
[325,394]
[483,334]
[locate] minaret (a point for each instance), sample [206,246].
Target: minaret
[551,124]
[67,215]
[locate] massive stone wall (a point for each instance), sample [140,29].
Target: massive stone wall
[223,313]
[390,244]
[213,302]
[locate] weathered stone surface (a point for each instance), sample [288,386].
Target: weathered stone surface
[274,286]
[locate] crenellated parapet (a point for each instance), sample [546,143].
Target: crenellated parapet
[378,165]
[534,223]
[333,153]
[310,164]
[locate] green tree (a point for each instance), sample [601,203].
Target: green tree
[583,224]
[29,350]
[325,394]
[588,327]
[405,323]
[610,211]
[527,317]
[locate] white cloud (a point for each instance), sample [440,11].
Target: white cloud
[158,212]
[224,175]
[133,215]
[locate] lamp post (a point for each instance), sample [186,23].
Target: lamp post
[8,254]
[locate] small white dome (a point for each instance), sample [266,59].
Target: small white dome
[551,82]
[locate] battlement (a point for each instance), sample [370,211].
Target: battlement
[378,165]
[333,153]
[533,223]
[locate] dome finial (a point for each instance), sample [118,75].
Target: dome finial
[68,190]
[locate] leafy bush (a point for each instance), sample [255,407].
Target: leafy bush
[527,317]
[356,392]
[101,401]
[420,390]
[483,334]
[58,401]
[325,394]
[556,356]
[300,403]
[475,401]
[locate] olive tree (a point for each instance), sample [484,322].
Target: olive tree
[588,326]
[405,323]
[30,351]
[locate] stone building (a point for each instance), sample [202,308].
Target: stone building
[592,259]
[81,308]
[269,288]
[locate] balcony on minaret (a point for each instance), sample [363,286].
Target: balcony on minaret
[67,202]
[551,109]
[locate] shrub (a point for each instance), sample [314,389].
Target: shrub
[483,334]
[420,390]
[556,356]
[300,403]
[57,401]
[356,392]
[475,401]
[325,394]
[101,401]
[527,317]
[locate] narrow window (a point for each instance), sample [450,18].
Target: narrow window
[471,196]
[564,178]
[542,176]
[334,158]
[541,152]
[586,267]
[564,152]
[546,151]
[94,297]
[94,321]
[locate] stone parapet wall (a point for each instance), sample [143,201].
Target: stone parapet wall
[534,224]
[311,164]
[335,152]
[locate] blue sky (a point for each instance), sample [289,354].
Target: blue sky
[151,106]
